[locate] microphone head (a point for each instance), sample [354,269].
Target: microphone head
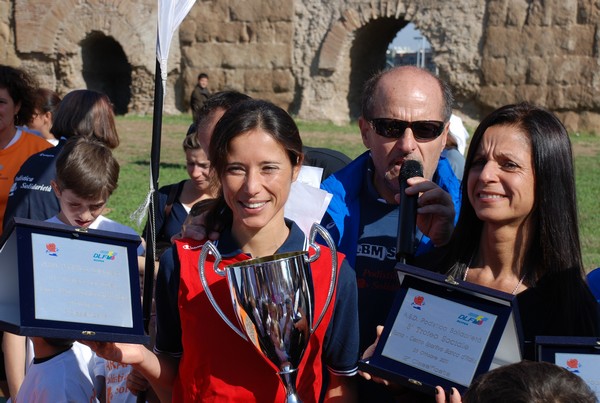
[410,169]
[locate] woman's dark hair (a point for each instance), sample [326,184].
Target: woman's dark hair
[20,86]
[555,236]
[554,243]
[239,119]
[86,113]
[529,382]
[46,100]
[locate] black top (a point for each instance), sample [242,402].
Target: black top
[326,158]
[543,314]
[31,195]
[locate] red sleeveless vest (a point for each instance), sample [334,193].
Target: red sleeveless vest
[217,365]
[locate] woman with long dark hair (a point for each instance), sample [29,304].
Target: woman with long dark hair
[517,230]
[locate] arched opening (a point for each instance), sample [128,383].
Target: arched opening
[368,55]
[410,47]
[106,69]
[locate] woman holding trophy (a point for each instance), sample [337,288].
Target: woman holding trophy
[200,355]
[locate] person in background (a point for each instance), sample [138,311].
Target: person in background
[518,230]
[330,160]
[524,382]
[199,95]
[45,104]
[256,152]
[16,145]
[455,146]
[176,200]
[80,113]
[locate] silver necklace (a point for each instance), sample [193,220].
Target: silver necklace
[514,292]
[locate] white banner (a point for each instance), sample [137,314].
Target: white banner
[170,15]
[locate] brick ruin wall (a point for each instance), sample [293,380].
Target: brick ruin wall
[311,56]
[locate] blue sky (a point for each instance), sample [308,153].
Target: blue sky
[405,38]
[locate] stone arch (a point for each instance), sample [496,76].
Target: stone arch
[352,38]
[353,49]
[106,69]
[56,31]
[367,55]
[367,48]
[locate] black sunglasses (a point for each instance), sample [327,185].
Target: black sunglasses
[423,130]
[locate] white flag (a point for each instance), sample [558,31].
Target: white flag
[170,15]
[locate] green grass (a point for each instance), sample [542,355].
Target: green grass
[587,175]
[134,157]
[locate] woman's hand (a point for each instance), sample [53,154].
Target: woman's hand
[124,353]
[440,395]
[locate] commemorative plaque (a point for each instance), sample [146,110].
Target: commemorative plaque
[62,282]
[444,332]
[579,355]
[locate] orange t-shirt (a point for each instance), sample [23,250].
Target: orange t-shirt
[11,159]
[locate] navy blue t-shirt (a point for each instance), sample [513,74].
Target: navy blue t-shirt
[31,195]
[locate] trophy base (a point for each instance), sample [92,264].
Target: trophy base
[288,378]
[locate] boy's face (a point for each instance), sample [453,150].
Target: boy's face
[75,210]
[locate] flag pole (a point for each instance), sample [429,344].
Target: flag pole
[154,173]
[150,235]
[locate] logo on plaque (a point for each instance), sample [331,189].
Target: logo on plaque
[51,249]
[418,302]
[471,318]
[104,256]
[573,365]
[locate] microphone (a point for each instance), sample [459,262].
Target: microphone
[407,219]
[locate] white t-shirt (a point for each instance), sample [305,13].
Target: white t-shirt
[106,224]
[115,378]
[68,377]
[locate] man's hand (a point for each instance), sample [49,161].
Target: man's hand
[369,353]
[136,382]
[435,214]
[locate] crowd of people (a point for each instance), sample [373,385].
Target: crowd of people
[487,213]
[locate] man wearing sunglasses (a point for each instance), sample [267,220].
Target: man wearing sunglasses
[405,115]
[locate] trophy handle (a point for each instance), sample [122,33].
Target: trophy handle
[319,229]
[207,248]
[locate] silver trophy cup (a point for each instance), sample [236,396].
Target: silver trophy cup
[273,300]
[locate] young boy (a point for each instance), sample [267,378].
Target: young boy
[86,176]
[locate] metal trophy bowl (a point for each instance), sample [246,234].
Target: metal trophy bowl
[273,300]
